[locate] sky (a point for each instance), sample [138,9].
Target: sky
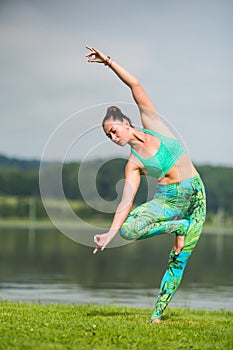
[53,101]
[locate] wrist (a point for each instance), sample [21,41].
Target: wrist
[108,61]
[112,232]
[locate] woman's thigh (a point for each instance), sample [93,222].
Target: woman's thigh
[160,215]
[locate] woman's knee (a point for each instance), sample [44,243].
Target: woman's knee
[129,230]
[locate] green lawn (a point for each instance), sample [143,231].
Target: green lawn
[46,327]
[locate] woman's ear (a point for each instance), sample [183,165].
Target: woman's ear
[126,123]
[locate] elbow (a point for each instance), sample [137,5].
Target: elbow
[130,204]
[135,83]
[125,206]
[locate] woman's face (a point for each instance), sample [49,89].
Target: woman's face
[117,131]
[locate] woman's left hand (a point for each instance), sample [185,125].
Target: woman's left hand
[101,241]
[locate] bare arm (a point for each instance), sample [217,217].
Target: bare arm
[147,110]
[132,181]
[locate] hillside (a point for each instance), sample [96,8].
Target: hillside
[18,163]
[20,177]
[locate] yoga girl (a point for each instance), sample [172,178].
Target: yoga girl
[178,206]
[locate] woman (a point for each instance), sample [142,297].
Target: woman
[178,205]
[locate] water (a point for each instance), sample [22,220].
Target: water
[50,268]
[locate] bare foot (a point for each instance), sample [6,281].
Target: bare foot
[179,244]
[156,320]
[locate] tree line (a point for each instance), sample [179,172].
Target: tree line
[22,180]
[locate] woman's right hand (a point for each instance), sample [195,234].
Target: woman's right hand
[95,55]
[101,241]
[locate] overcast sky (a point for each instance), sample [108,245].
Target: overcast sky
[181,51]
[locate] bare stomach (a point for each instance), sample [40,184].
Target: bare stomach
[182,170]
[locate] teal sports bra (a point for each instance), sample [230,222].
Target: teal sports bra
[162,161]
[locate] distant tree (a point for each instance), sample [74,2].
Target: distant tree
[219,189]
[103,180]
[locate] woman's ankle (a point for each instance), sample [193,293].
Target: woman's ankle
[179,244]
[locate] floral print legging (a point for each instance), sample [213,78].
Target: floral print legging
[178,208]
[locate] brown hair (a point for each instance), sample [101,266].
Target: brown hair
[116,114]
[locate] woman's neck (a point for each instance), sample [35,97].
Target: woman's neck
[138,138]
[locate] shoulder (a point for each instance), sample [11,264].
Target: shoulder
[132,164]
[134,167]
[157,125]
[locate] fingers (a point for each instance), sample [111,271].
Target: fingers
[91,57]
[96,239]
[99,243]
[90,54]
[92,49]
[94,55]
[97,247]
[95,250]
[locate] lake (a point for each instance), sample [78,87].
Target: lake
[45,266]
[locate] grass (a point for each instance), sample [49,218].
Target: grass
[83,327]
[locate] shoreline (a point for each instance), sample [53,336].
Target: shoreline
[17,223]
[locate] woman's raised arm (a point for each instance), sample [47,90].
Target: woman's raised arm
[146,107]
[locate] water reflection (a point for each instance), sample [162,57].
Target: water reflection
[47,266]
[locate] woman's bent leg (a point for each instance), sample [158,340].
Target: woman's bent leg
[163,214]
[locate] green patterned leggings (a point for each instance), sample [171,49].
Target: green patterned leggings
[178,208]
